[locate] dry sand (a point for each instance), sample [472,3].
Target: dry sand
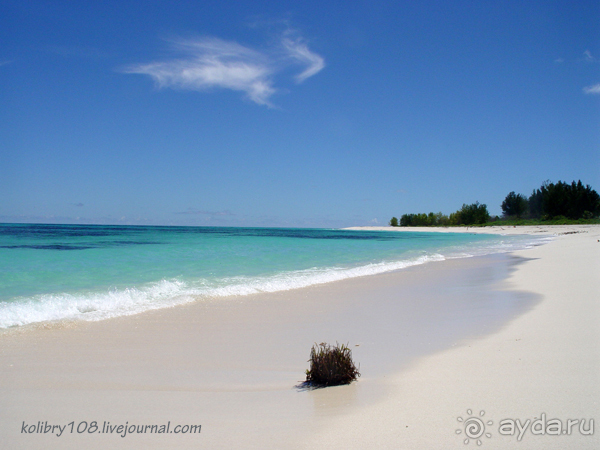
[512,335]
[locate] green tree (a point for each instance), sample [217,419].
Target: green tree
[474,214]
[514,205]
[394,222]
[535,204]
[573,200]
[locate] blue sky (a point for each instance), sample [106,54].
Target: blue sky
[318,114]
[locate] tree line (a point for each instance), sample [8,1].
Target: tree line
[551,201]
[573,201]
[475,213]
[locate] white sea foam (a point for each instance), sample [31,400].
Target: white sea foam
[93,306]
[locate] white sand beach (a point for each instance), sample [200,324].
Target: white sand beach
[515,336]
[547,361]
[552,230]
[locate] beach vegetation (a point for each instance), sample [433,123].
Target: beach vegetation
[572,201]
[514,205]
[331,365]
[424,220]
[552,204]
[473,214]
[561,220]
[394,222]
[587,215]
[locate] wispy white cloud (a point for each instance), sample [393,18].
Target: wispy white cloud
[299,51]
[594,89]
[588,57]
[5,63]
[208,63]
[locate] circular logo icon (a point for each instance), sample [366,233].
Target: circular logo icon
[474,427]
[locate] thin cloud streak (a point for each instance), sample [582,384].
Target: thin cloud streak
[214,63]
[595,89]
[587,56]
[299,51]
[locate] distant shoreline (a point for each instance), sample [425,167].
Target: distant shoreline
[552,230]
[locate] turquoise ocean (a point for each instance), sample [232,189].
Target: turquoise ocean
[95,272]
